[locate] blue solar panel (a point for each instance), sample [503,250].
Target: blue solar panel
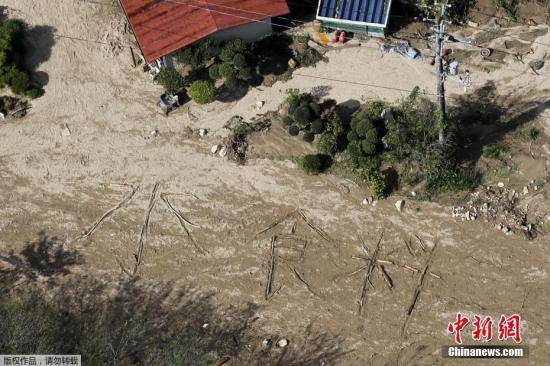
[366,11]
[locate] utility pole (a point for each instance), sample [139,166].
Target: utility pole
[440,39]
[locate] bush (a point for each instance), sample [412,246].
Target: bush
[172,81]
[287,121]
[336,126]
[311,163]
[308,137]
[242,129]
[362,127]
[202,91]
[495,151]
[239,60]
[374,110]
[19,81]
[352,136]
[378,183]
[226,70]
[293,130]
[315,109]
[328,144]
[232,83]
[214,72]
[317,127]
[302,115]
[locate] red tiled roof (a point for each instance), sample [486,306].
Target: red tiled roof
[164,26]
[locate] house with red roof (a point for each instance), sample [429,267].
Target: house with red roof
[163,27]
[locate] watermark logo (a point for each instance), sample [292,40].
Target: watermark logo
[485,329]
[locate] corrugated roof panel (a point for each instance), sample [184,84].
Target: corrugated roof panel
[164,26]
[366,11]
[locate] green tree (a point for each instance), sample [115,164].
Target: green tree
[172,81]
[311,163]
[202,91]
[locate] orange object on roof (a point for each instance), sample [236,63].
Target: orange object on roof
[164,26]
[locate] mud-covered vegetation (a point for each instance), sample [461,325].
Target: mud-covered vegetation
[385,146]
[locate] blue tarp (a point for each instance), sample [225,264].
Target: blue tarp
[366,11]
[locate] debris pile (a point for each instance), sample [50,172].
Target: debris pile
[500,205]
[12,107]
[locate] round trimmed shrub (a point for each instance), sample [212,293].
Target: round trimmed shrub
[302,115]
[309,137]
[352,136]
[239,60]
[202,91]
[232,83]
[214,72]
[226,70]
[317,126]
[293,130]
[368,147]
[311,163]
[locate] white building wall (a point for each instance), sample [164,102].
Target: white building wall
[249,33]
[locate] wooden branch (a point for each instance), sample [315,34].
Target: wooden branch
[271,269]
[370,269]
[107,214]
[418,289]
[144,230]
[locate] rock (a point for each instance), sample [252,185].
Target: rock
[536,188]
[498,226]
[282,343]
[525,190]
[500,185]
[203,132]
[399,205]
[260,104]
[205,325]
[413,193]
[214,149]
[155,133]
[266,342]
[65,131]
[223,152]
[292,63]
[473,24]
[367,201]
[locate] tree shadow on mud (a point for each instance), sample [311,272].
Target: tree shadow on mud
[128,321]
[45,257]
[480,119]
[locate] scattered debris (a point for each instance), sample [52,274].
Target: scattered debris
[13,107]
[500,205]
[65,131]
[486,52]
[500,185]
[203,132]
[399,205]
[367,200]
[214,148]
[260,104]
[473,24]
[223,152]
[266,342]
[282,343]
